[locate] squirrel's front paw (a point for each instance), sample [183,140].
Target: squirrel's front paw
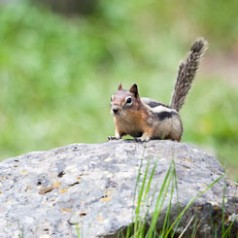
[142,139]
[138,139]
[113,138]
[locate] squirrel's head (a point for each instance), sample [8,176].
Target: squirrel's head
[124,100]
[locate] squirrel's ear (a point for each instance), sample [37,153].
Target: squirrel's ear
[134,90]
[120,87]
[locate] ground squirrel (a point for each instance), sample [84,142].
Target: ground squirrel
[146,119]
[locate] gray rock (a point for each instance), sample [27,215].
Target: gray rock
[89,190]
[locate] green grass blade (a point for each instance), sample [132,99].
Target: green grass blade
[178,219]
[160,201]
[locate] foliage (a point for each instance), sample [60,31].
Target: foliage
[57,74]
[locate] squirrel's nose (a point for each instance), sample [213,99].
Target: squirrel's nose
[115,109]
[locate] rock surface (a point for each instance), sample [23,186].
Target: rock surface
[89,189]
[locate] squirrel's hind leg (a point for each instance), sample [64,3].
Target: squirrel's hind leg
[144,138]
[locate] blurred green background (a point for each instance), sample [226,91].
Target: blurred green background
[58,71]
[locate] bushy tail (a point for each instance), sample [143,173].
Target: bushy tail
[186,73]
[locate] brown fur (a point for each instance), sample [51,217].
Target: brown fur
[138,120]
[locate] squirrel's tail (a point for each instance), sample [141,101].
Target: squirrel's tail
[186,73]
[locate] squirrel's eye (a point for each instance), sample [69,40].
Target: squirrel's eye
[129,100]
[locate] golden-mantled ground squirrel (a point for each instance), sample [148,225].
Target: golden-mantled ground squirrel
[147,119]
